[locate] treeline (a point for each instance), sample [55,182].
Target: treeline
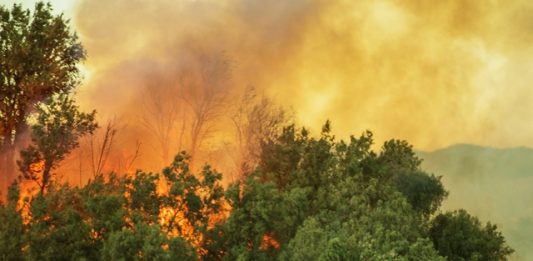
[300,197]
[309,199]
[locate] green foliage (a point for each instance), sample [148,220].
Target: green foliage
[116,218]
[39,58]
[319,199]
[200,198]
[398,165]
[59,126]
[356,230]
[11,227]
[255,208]
[310,199]
[329,200]
[459,236]
[56,230]
[146,242]
[424,192]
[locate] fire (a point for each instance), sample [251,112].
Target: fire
[27,191]
[37,167]
[269,242]
[176,223]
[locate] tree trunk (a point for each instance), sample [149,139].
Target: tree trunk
[7,167]
[46,176]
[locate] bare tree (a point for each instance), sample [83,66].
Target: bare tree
[100,152]
[256,119]
[160,114]
[205,94]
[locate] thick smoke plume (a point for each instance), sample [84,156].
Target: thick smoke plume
[432,73]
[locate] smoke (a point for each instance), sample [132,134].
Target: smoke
[434,74]
[163,70]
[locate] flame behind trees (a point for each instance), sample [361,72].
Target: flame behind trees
[312,197]
[58,128]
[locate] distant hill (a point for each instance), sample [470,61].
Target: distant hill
[471,161]
[494,184]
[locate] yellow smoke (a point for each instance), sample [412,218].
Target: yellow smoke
[432,73]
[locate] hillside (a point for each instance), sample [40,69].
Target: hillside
[492,183]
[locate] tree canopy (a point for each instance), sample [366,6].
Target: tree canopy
[309,199]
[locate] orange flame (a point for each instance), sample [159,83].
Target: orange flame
[37,167]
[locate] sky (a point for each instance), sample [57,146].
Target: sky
[434,74]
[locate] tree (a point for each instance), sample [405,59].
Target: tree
[145,242]
[11,227]
[116,217]
[57,230]
[39,58]
[57,130]
[459,236]
[204,91]
[312,198]
[257,120]
[161,112]
[195,202]
[398,165]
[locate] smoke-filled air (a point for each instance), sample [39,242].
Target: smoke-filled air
[432,73]
[333,130]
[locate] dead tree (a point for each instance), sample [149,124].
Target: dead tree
[256,119]
[161,110]
[205,93]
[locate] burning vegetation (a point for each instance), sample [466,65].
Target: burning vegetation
[286,195]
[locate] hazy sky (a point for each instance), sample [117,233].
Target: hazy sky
[433,73]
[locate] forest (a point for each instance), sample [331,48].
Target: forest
[297,196]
